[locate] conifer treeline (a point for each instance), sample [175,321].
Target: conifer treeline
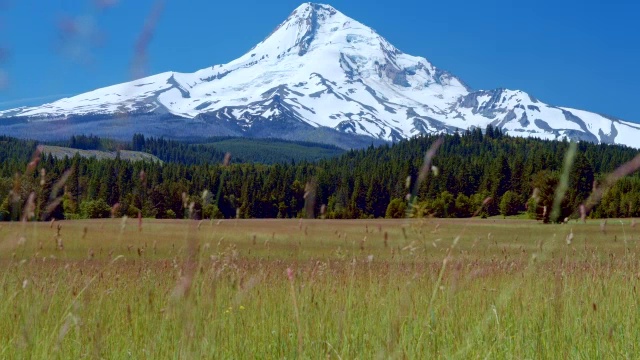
[211,150]
[372,182]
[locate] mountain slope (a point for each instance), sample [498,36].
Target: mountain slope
[320,76]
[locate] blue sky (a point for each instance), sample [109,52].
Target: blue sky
[583,54]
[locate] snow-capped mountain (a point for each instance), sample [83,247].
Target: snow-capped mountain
[320,76]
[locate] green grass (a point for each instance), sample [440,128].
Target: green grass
[520,216]
[187,289]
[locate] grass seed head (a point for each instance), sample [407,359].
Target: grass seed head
[569,238]
[30,208]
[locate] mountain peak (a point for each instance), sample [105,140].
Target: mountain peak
[319,72]
[308,9]
[299,30]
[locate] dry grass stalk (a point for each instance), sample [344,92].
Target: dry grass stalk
[424,171]
[290,275]
[563,185]
[622,171]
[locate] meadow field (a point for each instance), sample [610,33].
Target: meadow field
[231,289]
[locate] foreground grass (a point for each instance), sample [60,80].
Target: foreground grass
[362,289]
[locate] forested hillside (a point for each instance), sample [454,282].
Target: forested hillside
[467,169]
[242,150]
[271,151]
[212,150]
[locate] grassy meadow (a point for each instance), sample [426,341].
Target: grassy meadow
[433,288]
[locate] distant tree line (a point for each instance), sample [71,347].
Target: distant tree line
[209,150]
[483,173]
[244,150]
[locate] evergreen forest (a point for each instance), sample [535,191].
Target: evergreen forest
[483,173]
